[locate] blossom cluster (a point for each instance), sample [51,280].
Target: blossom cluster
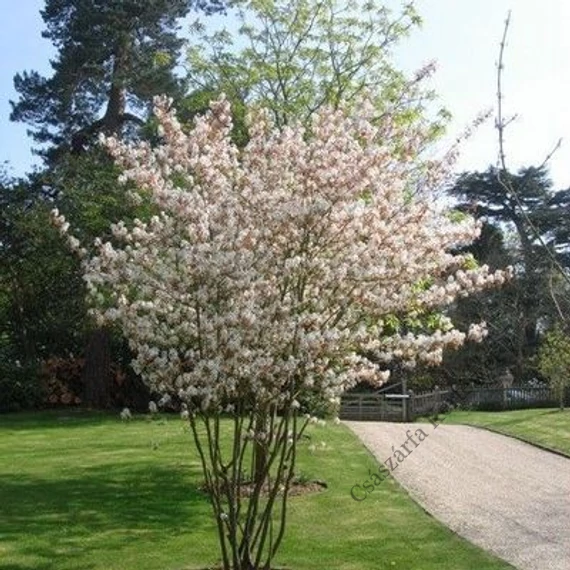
[271,269]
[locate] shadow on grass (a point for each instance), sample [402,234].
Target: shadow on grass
[63,522]
[58,418]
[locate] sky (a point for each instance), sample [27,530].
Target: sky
[461,36]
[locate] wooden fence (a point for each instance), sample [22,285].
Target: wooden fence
[513,398]
[427,403]
[407,407]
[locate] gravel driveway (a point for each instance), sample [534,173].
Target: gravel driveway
[504,495]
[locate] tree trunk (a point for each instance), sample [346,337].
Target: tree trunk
[97,371]
[260,450]
[117,100]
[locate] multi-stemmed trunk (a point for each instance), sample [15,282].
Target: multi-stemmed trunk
[249,485]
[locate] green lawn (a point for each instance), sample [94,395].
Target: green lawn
[547,427]
[85,491]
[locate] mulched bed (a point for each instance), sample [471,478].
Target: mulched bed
[297,488]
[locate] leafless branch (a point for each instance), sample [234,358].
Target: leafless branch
[502,177]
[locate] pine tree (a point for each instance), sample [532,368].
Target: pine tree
[113,56]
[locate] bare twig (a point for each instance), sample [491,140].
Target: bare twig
[501,123]
[554,300]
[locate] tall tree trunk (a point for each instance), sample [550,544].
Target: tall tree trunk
[97,371]
[117,101]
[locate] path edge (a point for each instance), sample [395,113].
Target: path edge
[518,438]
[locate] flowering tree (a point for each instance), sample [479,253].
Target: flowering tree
[275,269]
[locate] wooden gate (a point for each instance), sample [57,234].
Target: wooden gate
[374,407]
[384,407]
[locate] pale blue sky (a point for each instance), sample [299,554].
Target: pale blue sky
[461,35]
[21,47]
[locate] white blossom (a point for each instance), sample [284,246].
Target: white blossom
[126,414]
[276,268]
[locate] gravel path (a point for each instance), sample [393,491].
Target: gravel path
[506,496]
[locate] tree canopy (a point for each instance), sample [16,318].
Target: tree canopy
[113,56]
[526,225]
[272,269]
[294,57]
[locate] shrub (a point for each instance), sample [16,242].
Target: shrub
[20,387]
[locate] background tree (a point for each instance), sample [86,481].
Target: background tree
[554,362]
[113,56]
[85,188]
[294,57]
[42,306]
[519,227]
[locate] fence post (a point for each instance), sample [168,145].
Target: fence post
[411,415]
[437,401]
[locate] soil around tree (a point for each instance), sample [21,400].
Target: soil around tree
[298,487]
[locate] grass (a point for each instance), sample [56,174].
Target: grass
[547,427]
[86,491]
